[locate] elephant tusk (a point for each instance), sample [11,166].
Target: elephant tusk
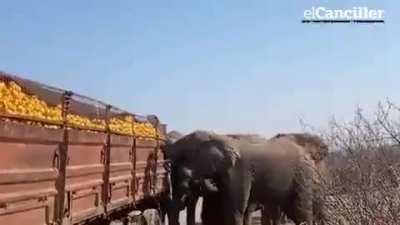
[209,185]
[183,198]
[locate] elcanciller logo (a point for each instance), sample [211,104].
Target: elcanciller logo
[353,15]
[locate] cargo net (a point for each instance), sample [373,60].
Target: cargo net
[33,103]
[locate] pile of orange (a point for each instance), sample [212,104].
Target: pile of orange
[14,101]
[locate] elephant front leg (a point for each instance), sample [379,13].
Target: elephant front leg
[168,206]
[191,210]
[270,215]
[247,215]
[212,213]
[247,220]
[236,193]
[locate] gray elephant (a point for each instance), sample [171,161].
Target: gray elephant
[194,189]
[197,189]
[212,205]
[276,173]
[318,151]
[212,202]
[206,188]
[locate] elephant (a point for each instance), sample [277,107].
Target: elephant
[212,207]
[211,210]
[278,173]
[197,189]
[318,151]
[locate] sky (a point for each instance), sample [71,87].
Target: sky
[228,66]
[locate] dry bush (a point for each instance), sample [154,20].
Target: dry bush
[364,171]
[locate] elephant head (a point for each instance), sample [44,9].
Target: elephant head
[197,159]
[173,136]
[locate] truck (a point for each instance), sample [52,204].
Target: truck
[69,159]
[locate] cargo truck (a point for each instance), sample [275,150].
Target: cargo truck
[68,159]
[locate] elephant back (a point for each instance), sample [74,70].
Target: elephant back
[254,138]
[313,144]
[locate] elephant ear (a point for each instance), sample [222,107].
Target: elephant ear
[185,146]
[205,151]
[229,149]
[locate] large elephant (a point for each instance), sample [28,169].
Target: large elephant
[318,151]
[212,202]
[277,173]
[206,188]
[197,189]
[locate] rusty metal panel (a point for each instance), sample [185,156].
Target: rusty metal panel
[84,176]
[120,178]
[145,168]
[28,173]
[161,175]
[29,163]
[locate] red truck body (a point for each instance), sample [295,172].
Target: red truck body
[66,175]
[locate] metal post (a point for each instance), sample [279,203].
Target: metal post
[62,211]
[133,160]
[156,155]
[106,196]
